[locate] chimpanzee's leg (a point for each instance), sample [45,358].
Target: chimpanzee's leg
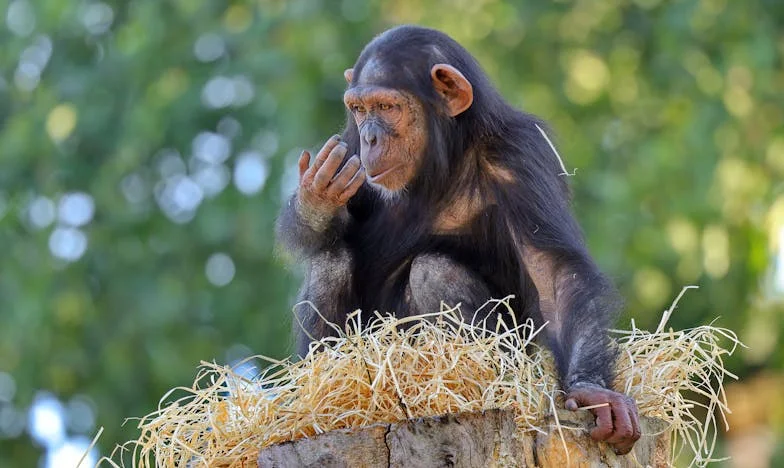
[436,278]
[328,287]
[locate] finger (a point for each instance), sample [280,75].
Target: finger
[627,445]
[330,167]
[576,398]
[354,185]
[340,181]
[325,151]
[635,419]
[623,449]
[604,423]
[304,162]
[310,173]
[622,433]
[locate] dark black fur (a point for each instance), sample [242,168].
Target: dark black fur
[365,261]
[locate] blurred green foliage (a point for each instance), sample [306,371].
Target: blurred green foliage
[146,145]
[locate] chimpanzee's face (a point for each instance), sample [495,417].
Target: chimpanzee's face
[392,123]
[392,131]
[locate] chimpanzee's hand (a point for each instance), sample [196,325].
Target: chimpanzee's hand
[321,192]
[617,422]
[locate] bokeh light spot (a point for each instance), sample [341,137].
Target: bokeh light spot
[61,121]
[20,18]
[70,452]
[134,188]
[67,243]
[211,147]
[45,423]
[738,101]
[212,179]
[41,212]
[7,387]
[716,251]
[27,76]
[218,92]
[774,155]
[38,53]
[775,221]
[588,77]
[243,91]
[237,18]
[219,269]
[76,209]
[97,18]
[683,235]
[179,197]
[81,414]
[250,172]
[652,287]
[186,193]
[209,47]
[169,163]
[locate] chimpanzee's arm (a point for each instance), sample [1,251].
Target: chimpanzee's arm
[315,217]
[577,302]
[311,226]
[574,297]
[327,287]
[305,232]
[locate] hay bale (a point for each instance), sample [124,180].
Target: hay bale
[394,370]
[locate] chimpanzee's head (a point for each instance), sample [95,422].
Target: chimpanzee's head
[404,91]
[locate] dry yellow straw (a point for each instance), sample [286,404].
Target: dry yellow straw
[393,369]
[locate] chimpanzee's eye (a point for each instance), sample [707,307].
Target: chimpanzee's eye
[384,106]
[355,108]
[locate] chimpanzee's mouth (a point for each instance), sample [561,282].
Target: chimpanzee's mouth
[376,177]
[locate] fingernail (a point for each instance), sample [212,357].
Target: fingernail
[336,137]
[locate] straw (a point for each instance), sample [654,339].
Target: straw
[392,369]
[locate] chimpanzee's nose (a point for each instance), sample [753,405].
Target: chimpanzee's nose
[371,136]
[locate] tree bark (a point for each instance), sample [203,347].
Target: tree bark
[487,439]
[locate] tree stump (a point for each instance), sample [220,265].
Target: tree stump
[486,439]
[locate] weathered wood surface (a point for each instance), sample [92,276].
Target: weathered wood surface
[469,440]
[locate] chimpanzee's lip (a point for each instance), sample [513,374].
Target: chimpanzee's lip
[376,177]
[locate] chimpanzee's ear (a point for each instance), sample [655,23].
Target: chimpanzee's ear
[455,88]
[348,75]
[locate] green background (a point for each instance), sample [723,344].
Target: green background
[160,113]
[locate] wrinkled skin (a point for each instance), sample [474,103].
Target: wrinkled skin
[617,423]
[392,134]
[323,191]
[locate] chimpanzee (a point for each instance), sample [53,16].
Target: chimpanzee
[438,190]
